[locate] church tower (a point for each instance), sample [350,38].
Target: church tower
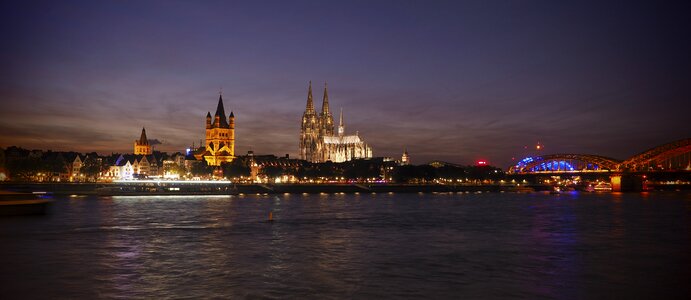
[220,137]
[309,131]
[142,146]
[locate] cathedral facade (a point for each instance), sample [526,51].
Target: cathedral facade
[220,137]
[319,142]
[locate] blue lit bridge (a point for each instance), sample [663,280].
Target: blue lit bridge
[668,164]
[674,156]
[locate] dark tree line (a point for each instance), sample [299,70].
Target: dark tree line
[428,173]
[23,164]
[364,170]
[237,168]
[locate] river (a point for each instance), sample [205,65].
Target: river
[361,246]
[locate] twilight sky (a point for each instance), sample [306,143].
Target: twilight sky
[455,81]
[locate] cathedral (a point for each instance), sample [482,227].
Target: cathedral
[220,137]
[319,142]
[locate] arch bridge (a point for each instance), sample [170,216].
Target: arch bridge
[670,156]
[554,163]
[674,156]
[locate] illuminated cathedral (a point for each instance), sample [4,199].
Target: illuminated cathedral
[319,143]
[220,137]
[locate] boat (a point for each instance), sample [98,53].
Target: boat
[167,187]
[603,187]
[22,204]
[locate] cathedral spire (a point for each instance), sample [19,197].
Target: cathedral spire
[326,121]
[310,102]
[325,102]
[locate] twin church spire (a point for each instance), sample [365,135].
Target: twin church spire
[325,101]
[319,142]
[314,124]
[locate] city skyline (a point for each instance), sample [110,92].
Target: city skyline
[447,81]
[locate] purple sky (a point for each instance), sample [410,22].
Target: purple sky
[455,81]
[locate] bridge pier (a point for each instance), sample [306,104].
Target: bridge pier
[626,183]
[615,180]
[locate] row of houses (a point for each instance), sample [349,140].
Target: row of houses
[56,166]
[131,166]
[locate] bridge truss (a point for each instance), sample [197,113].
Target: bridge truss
[564,163]
[672,156]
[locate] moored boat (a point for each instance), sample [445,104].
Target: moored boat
[168,187]
[19,204]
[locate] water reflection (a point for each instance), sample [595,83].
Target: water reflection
[554,236]
[353,246]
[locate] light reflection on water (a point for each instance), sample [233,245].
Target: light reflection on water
[489,245]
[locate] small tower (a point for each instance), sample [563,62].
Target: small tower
[231,125]
[217,120]
[341,126]
[142,146]
[405,158]
[208,120]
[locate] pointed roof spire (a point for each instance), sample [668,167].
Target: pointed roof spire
[340,120]
[325,102]
[208,114]
[231,114]
[310,102]
[142,139]
[221,113]
[341,127]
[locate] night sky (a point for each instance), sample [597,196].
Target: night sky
[456,81]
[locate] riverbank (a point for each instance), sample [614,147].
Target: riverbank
[115,189]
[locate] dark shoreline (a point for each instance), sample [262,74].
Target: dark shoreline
[106,189]
[98,189]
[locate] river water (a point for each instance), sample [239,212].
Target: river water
[366,246]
